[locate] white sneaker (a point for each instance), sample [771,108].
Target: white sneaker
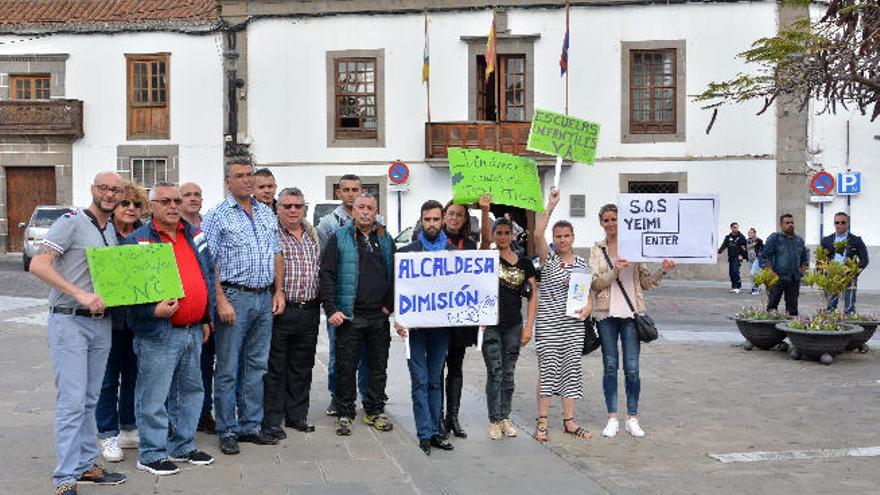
[507,428]
[495,430]
[128,439]
[611,428]
[632,426]
[110,449]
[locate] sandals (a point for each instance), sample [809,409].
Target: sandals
[578,432]
[541,432]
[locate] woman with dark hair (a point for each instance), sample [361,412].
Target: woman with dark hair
[457,227]
[501,343]
[559,337]
[612,275]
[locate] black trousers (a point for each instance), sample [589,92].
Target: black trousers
[288,379]
[733,271]
[791,289]
[374,330]
[454,378]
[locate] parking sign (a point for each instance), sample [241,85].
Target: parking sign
[849,183]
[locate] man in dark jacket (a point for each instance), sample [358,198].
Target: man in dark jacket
[357,291]
[735,244]
[786,254]
[850,247]
[428,346]
[168,342]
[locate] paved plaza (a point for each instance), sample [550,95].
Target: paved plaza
[719,420]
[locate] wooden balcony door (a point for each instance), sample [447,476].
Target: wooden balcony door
[510,92]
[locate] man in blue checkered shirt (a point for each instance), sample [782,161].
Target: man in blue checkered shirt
[250,267]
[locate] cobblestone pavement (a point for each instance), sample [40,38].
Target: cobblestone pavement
[702,395]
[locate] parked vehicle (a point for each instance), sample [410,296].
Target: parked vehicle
[322,209]
[37,228]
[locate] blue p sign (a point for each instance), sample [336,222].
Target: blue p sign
[849,183]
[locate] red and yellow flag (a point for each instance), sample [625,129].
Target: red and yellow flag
[490,49]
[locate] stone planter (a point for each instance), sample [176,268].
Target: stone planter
[762,334]
[860,341]
[819,345]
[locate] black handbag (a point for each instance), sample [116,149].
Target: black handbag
[645,326]
[591,338]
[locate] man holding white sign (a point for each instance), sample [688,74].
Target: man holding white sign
[427,344]
[680,227]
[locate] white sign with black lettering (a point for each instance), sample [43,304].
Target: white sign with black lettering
[680,227]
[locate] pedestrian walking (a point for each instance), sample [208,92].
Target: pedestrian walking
[617,285]
[841,246]
[242,235]
[265,187]
[357,291]
[114,412]
[79,333]
[754,247]
[295,331]
[786,254]
[559,338]
[428,346]
[168,341]
[501,343]
[735,244]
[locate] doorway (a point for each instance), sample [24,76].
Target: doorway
[26,187]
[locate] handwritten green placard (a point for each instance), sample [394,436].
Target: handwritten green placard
[510,179]
[134,274]
[560,135]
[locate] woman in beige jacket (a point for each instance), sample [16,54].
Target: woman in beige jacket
[616,320]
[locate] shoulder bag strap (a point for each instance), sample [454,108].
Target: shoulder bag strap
[619,283]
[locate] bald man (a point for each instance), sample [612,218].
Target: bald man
[190,210]
[79,333]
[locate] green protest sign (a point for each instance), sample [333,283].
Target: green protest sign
[560,135]
[510,179]
[134,274]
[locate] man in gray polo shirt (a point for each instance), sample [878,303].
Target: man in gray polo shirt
[79,333]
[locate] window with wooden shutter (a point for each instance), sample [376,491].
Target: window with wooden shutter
[29,87]
[148,96]
[511,89]
[653,92]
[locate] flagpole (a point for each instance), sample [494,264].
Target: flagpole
[568,64]
[428,80]
[497,78]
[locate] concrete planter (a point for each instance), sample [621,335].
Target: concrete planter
[819,345]
[860,341]
[762,334]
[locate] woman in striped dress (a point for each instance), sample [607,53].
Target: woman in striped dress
[559,338]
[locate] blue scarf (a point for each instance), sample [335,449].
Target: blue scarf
[439,243]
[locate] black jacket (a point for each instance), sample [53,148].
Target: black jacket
[855,248]
[735,245]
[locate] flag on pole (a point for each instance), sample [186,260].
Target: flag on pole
[563,59]
[426,58]
[490,49]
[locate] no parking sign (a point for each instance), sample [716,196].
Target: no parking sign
[822,183]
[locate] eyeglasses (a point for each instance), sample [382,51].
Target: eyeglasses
[287,206]
[840,222]
[104,188]
[167,201]
[126,203]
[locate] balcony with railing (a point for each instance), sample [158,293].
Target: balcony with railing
[507,137]
[43,118]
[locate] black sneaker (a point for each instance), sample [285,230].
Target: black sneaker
[438,441]
[196,457]
[258,438]
[162,467]
[228,445]
[425,445]
[98,476]
[276,432]
[331,409]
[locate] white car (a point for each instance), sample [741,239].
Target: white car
[37,228]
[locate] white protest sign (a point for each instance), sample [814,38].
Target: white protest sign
[578,293]
[680,227]
[446,288]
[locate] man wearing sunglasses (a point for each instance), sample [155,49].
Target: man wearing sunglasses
[295,331]
[841,246]
[168,341]
[79,333]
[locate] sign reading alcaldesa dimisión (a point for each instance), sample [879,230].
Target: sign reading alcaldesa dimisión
[446,288]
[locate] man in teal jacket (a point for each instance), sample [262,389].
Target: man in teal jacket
[357,291]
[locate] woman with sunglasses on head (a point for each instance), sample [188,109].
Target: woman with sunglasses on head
[114,412]
[501,343]
[616,321]
[559,337]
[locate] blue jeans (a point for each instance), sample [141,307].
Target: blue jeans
[363,372]
[610,329]
[427,354]
[849,301]
[115,410]
[169,391]
[78,347]
[500,352]
[242,360]
[208,375]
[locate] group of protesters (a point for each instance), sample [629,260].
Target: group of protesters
[234,356]
[785,254]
